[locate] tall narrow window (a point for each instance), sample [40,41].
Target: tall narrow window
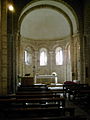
[59,56]
[28,57]
[43,57]
[25,54]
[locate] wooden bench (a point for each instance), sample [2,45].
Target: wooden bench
[51,95]
[9,102]
[53,118]
[39,112]
[61,118]
[33,92]
[83,95]
[32,88]
[17,106]
[49,92]
[73,89]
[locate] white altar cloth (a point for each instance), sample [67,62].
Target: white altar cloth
[46,76]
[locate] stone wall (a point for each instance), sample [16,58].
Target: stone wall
[79,66]
[87,39]
[64,71]
[3,47]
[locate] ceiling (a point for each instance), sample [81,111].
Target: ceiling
[48,20]
[44,24]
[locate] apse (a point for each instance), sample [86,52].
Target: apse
[45,24]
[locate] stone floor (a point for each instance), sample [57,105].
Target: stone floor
[80,109]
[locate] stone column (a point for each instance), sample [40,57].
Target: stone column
[87,39]
[65,64]
[52,58]
[72,57]
[51,61]
[3,47]
[18,53]
[76,54]
[11,53]
[88,68]
[0,42]
[35,66]
[82,59]
[78,57]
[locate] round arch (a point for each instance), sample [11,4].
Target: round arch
[60,6]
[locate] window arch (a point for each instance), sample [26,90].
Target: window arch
[27,56]
[43,57]
[59,56]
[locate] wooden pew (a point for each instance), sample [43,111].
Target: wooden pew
[62,118]
[33,92]
[49,92]
[72,89]
[57,90]
[7,102]
[32,88]
[52,118]
[44,103]
[39,112]
[41,91]
[51,95]
[14,107]
[83,95]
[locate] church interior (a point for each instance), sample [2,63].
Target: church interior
[44,59]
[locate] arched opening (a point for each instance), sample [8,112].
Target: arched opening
[59,56]
[27,56]
[43,57]
[52,23]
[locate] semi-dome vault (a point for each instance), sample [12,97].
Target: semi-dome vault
[47,20]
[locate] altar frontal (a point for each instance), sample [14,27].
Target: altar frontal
[46,79]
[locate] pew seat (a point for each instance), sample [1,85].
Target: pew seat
[38,112]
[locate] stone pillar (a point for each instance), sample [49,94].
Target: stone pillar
[17,53]
[82,59]
[51,61]
[35,65]
[0,42]
[72,57]
[88,64]
[11,53]
[17,59]
[87,39]
[3,47]
[65,64]
[76,58]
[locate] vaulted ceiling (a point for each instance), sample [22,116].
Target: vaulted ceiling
[47,20]
[45,23]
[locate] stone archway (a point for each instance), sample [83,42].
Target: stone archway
[56,21]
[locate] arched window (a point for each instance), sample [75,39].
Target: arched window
[43,57]
[27,56]
[59,56]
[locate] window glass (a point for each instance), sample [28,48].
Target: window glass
[59,56]
[28,57]
[43,57]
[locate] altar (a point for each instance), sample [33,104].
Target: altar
[46,79]
[27,81]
